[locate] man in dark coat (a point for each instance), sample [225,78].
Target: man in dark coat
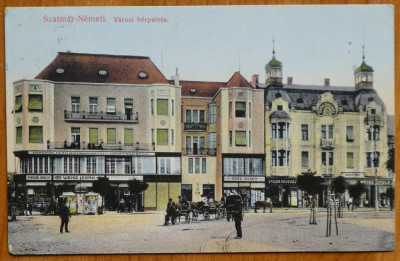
[64,215]
[237,215]
[167,212]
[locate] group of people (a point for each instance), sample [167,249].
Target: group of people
[172,209]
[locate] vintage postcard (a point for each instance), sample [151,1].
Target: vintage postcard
[200,129]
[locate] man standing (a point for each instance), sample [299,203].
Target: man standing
[64,215]
[167,212]
[237,215]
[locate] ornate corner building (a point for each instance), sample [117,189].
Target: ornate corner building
[87,116]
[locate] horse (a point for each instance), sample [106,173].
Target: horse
[262,204]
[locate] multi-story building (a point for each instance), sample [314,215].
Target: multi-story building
[333,130]
[86,116]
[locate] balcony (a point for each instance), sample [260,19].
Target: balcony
[100,117]
[199,151]
[195,126]
[327,170]
[138,147]
[327,144]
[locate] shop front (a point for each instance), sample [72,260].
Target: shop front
[251,188]
[283,192]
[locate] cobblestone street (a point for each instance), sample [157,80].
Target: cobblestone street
[283,230]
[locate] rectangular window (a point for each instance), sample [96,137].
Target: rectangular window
[211,140]
[93,135]
[152,136]
[195,115]
[188,116]
[75,104]
[188,142]
[111,104]
[330,131]
[240,109]
[203,165]
[211,113]
[375,160]
[249,138]
[111,136]
[202,142]
[376,132]
[91,165]
[249,109]
[162,107]
[197,165]
[18,103]
[273,158]
[169,165]
[172,107]
[369,159]
[240,138]
[110,165]
[282,158]
[35,134]
[230,138]
[330,158]
[253,166]
[172,137]
[323,132]
[202,116]
[93,105]
[304,132]
[18,135]
[35,102]
[128,137]
[282,130]
[162,137]
[190,165]
[152,106]
[349,134]
[273,131]
[304,159]
[75,135]
[349,160]
[323,158]
[230,109]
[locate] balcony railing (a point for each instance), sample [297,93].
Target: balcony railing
[328,170]
[327,144]
[195,126]
[100,116]
[100,146]
[199,151]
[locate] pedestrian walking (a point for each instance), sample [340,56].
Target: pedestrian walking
[64,215]
[167,212]
[30,207]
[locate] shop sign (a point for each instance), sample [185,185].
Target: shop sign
[38,177]
[368,182]
[353,174]
[125,177]
[244,178]
[281,181]
[94,153]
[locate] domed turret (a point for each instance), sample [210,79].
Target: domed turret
[273,69]
[363,75]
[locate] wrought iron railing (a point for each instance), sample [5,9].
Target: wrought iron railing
[100,116]
[199,151]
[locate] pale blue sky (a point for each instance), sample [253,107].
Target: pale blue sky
[313,42]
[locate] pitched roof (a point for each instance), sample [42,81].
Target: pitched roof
[199,88]
[99,68]
[237,80]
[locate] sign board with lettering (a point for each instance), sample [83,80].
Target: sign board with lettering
[92,153]
[280,181]
[244,179]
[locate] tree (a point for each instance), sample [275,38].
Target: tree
[307,181]
[102,186]
[390,195]
[135,188]
[339,187]
[355,192]
[390,163]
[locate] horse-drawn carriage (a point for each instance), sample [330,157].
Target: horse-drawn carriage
[212,208]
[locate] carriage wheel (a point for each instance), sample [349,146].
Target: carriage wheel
[206,215]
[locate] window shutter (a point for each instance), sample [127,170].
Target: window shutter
[111,105]
[162,137]
[35,134]
[93,136]
[240,138]
[35,102]
[18,139]
[110,136]
[162,107]
[18,103]
[128,137]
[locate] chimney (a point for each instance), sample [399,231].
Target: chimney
[176,78]
[255,80]
[290,80]
[326,82]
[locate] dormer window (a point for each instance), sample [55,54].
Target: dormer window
[143,75]
[192,90]
[103,72]
[59,70]
[280,107]
[370,99]
[373,111]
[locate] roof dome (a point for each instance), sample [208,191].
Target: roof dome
[273,62]
[364,67]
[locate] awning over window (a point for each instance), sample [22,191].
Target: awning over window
[93,136]
[111,105]
[128,103]
[240,138]
[35,102]
[128,137]
[110,136]
[162,137]
[35,134]
[18,104]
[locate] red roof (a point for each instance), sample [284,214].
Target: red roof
[237,80]
[98,68]
[209,89]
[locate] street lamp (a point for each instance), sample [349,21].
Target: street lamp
[376,162]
